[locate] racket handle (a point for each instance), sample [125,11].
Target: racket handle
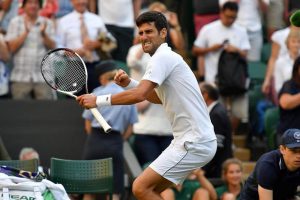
[101,120]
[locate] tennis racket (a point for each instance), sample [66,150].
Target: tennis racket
[65,72]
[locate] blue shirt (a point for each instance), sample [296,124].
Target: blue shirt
[119,117]
[271,173]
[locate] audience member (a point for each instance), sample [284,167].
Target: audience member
[153,132]
[278,49]
[277,173]
[118,16]
[289,7]
[222,128]
[249,17]
[9,9]
[226,35]
[232,176]
[289,101]
[3,151]
[29,37]
[29,153]
[284,64]
[79,30]
[175,38]
[100,144]
[4,73]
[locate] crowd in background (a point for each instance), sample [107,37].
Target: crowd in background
[200,30]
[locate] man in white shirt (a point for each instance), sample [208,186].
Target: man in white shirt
[221,35]
[169,81]
[79,31]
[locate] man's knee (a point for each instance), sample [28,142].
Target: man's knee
[138,189]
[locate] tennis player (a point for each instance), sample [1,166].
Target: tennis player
[169,81]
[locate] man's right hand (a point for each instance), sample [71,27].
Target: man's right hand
[121,78]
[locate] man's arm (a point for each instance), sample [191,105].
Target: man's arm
[144,91]
[264,194]
[288,101]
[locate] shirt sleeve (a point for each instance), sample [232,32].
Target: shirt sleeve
[201,38]
[12,32]
[266,175]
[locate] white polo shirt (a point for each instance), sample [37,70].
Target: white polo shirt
[216,33]
[180,95]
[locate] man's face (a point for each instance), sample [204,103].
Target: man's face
[291,157]
[150,38]
[80,5]
[228,17]
[32,7]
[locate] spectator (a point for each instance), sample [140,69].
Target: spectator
[118,16]
[220,35]
[276,175]
[79,31]
[289,101]
[284,63]
[4,74]
[29,37]
[100,144]
[232,177]
[29,153]
[153,132]
[278,48]
[220,120]
[249,17]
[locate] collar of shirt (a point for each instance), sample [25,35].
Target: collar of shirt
[211,106]
[163,47]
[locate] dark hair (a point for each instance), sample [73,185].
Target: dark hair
[25,1]
[158,18]
[212,91]
[230,5]
[295,72]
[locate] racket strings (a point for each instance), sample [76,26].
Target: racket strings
[65,71]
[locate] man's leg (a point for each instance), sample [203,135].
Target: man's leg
[149,185]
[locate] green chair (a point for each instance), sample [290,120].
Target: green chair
[27,165]
[266,52]
[123,66]
[257,71]
[83,176]
[271,120]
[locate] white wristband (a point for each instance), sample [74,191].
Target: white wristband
[132,84]
[103,100]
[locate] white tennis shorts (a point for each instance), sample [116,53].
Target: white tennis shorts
[176,162]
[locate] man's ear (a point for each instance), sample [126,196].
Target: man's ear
[163,33]
[282,149]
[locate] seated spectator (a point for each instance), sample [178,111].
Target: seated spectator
[65,7]
[289,101]
[276,175]
[49,9]
[8,10]
[232,177]
[29,153]
[220,119]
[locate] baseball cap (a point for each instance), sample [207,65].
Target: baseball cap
[291,138]
[105,66]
